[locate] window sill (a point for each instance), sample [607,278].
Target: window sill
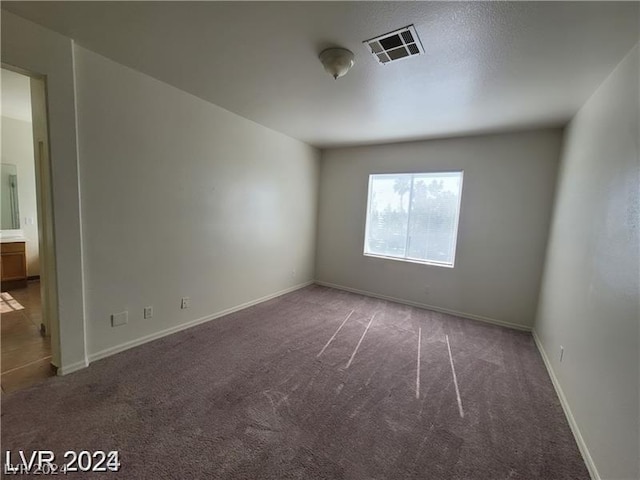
[410,260]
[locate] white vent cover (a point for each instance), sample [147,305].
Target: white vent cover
[397,45]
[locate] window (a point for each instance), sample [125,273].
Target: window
[414,216]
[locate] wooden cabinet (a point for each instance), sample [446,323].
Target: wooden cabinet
[14,265]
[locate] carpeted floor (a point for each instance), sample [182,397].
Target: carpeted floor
[247,397]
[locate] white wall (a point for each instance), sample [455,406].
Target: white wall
[506,202]
[183,198]
[17,148]
[40,51]
[589,300]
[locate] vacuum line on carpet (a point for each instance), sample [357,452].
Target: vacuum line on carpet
[361,338]
[418,363]
[334,335]
[455,380]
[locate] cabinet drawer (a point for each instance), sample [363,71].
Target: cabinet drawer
[13,247]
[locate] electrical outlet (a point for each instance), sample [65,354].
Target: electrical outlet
[186,303]
[293,273]
[561,352]
[118,319]
[148,312]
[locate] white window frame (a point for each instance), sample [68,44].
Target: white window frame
[406,258]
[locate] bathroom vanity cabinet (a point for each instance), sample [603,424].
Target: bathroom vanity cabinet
[14,265]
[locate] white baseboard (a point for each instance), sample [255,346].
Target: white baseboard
[582,446]
[470,316]
[183,326]
[73,367]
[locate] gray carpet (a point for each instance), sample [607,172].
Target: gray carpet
[247,397]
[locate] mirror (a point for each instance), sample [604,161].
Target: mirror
[10,214]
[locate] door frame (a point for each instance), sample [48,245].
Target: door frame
[44,208]
[39,51]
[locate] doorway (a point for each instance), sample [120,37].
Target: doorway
[28,317]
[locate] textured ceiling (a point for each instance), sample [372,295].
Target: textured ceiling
[488,66]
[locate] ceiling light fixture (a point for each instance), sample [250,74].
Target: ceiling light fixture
[337,61]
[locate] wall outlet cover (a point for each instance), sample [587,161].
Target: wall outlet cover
[148,312]
[118,319]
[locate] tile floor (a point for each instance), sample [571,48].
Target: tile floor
[25,354]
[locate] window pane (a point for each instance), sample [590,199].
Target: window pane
[434,217]
[414,216]
[388,215]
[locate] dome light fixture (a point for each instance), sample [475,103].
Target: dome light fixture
[337,61]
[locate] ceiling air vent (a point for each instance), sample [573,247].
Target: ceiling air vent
[396,45]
